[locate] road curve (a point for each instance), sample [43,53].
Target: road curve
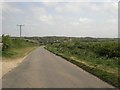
[42,69]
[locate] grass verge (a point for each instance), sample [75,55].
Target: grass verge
[13,48]
[109,77]
[15,53]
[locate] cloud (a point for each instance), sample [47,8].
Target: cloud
[111,0]
[103,8]
[38,11]
[68,7]
[111,8]
[82,21]
[42,15]
[59,9]
[86,20]
[75,23]
[95,7]
[113,21]
[50,4]
[7,7]
[47,19]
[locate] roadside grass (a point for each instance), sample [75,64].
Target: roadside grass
[15,53]
[103,67]
[16,48]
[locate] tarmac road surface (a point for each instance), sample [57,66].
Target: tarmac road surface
[42,69]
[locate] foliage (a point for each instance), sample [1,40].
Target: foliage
[13,46]
[7,42]
[100,54]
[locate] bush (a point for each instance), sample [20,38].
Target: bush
[7,42]
[108,49]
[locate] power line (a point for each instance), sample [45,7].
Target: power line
[20,25]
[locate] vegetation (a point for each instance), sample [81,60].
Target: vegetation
[97,56]
[15,47]
[48,39]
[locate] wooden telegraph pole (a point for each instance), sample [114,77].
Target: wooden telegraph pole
[20,25]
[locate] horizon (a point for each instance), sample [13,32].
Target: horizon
[64,37]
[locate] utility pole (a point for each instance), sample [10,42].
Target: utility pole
[20,25]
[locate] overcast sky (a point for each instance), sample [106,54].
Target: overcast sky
[75,19]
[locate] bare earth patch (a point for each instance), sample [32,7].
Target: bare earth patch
[8,65]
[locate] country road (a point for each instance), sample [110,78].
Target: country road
[42,69]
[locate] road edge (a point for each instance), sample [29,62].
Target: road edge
[84,67]
[18,62]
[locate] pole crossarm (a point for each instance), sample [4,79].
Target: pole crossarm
[20,25]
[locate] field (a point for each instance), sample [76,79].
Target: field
[16,47]
[97,56]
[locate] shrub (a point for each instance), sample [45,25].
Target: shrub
[7,42]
